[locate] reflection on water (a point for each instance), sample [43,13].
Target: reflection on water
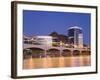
[52,62]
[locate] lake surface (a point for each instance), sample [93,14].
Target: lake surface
[54,62]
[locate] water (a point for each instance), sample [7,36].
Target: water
[54,62]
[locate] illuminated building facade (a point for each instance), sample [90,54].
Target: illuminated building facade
[75,36]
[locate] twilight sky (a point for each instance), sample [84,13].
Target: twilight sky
[45,22]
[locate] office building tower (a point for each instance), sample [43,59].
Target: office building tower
[75,36]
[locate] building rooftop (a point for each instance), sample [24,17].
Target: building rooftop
[75,27]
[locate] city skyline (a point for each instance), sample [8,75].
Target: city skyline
[45,22]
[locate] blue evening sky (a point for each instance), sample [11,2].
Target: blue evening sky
[45,22]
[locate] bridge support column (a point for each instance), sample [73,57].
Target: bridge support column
[60,53]
[80,52]
[45,52]
[71,52]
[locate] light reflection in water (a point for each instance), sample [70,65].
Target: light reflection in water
[51,62]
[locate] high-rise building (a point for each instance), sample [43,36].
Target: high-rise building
[75,36]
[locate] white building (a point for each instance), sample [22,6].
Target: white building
[42,40]
[38,40]
[80,39]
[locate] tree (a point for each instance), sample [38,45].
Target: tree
[59,37]
[54,34]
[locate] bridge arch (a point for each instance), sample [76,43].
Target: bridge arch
[53,52]
[84,52]
[37,52]
[25,46]
[76,52]
[27,53]
[34,48]
[66,52]
[34,52]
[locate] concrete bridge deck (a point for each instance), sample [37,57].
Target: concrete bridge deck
[44,47]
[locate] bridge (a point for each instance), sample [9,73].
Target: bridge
[44,47]
[45,50]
